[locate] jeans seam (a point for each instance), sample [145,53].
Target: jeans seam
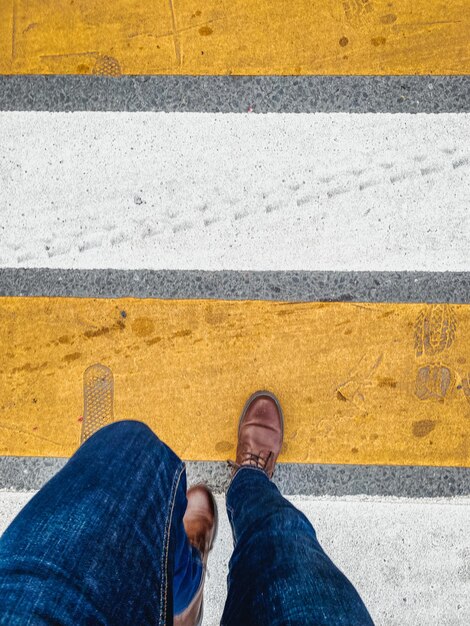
[230,518]
[166,542]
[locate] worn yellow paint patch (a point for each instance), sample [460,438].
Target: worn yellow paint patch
[236,37]
[359,383]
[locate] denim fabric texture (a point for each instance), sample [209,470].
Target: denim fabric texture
[97,544]
[278,574]
[103,542]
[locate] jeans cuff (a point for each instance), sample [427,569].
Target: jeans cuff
[240,469]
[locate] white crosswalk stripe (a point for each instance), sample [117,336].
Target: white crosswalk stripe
[233,191]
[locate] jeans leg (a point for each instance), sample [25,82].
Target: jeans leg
[97,544]
[278,574]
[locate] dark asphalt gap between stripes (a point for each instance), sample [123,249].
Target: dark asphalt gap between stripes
[294,286]
[237,94]
[19,473]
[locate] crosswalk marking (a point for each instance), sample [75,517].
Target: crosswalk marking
[237,37]
[363,384]
[372,192]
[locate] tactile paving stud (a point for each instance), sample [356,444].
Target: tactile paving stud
[98,396]
[107,66]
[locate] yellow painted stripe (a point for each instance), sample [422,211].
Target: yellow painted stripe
[359,383]
[236,37]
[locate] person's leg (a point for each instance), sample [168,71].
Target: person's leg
[200,524]
[278,574]
[97,544]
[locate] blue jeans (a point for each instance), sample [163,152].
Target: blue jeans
[103,542]
[279,575]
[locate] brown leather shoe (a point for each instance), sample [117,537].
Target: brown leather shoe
[260,433]
[200,523]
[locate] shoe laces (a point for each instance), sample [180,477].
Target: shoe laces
[252,459]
